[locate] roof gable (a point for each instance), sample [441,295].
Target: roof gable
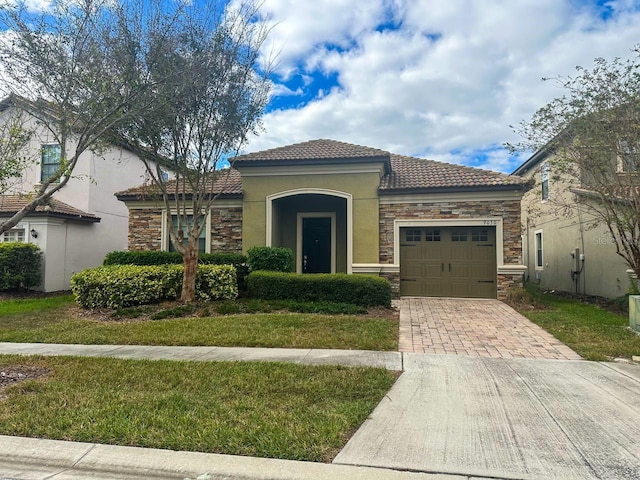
[322,151]
[11,204]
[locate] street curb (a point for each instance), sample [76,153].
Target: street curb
[41,459]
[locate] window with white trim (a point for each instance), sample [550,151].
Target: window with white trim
[544,181]
[13,235]
[539,253]
[51,155]
[629,159]
[201,240]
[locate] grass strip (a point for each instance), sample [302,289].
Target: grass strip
[260,330]
[271,410]
[56,320]
[594,333]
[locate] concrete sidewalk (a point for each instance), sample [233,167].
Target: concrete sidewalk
[352,358]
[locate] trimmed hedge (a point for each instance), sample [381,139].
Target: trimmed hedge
[366,290]
[118,286]
[156,257]
[273,259]
[19,265]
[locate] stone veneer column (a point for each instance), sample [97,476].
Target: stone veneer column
[145,229]
[226,230]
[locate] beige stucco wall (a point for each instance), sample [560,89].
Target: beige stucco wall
[362,186]
[603,271]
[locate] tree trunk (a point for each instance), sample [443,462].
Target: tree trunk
[190,271]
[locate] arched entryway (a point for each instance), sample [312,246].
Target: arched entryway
[316,224]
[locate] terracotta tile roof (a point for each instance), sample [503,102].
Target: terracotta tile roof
[415,174]
[403,174]
[321,149]
[10,204]
[227,183]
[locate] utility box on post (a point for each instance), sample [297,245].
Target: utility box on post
[634,312]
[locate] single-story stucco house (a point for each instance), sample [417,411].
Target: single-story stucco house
[431,228]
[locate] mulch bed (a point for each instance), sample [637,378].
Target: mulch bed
[12,374]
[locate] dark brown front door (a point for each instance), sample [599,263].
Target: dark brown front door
[448,262]
[316,245]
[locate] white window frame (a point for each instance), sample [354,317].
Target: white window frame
[42,147]
[544,178]
[626,151]
[16,229]
[538,243]
[165,237]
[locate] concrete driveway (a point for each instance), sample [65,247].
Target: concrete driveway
[506,418]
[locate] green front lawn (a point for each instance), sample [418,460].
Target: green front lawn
[593,332]
[259,409]
[48,321]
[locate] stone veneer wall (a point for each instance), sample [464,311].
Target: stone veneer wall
[145,229]
[226,230]
[509,210]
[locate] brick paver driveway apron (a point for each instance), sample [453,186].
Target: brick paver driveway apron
[475,328]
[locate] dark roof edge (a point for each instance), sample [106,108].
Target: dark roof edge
[67,216]
[460,189]
[538,156]
[142,198]
[386,159]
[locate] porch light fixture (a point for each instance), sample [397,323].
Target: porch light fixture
[33,232]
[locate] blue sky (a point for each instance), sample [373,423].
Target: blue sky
[438,79]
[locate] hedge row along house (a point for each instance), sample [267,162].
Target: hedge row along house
[431,228]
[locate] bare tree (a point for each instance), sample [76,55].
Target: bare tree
[214,100]
[592,137]
[58,66]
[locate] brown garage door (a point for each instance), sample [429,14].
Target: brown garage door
[448,262]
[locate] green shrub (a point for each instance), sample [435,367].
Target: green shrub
[19,265]
[119,286]
[273,259]
[366,290]
[156,257]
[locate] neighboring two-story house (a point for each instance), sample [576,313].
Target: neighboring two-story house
[564,248]
[83,221]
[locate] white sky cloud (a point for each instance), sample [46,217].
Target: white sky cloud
[446,80]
